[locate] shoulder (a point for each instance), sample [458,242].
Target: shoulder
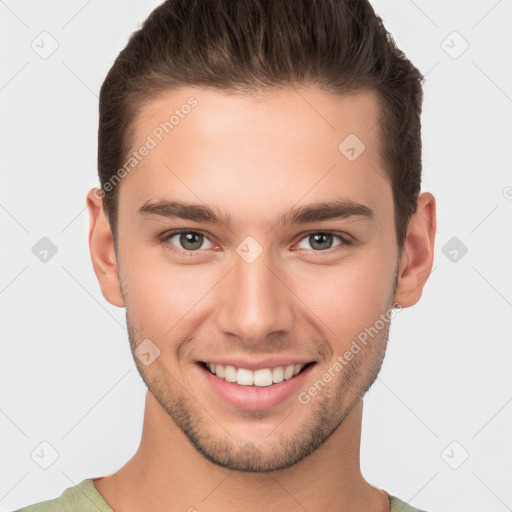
[81,498]
[398,505]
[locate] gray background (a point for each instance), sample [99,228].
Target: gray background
[67,376]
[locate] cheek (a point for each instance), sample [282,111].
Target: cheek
[152,289]
[346,298]
[162,297]
[340,299]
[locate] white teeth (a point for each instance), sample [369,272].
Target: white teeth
[220,370]
[261,378]
[288,372]
[230,373]
[277,374]
[244,377]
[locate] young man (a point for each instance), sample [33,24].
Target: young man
[260,214]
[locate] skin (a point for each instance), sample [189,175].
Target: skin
[253,158]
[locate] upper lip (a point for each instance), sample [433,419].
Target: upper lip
[256,364]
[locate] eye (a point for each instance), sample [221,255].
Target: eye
[187,241]
[322,240]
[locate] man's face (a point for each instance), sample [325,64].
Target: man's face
[262,289]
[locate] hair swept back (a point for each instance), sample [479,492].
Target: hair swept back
[250,46]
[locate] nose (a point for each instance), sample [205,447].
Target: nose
[255,301]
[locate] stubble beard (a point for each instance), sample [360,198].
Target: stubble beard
[328,410]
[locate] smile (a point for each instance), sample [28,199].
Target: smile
[261,377]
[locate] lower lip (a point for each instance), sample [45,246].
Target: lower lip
[255,397]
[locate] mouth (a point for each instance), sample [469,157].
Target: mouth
[261,377]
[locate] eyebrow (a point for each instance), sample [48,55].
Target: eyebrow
[332,210]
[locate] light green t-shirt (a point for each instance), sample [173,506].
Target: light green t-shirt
[85,498]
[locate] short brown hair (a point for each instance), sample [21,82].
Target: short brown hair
[340,46]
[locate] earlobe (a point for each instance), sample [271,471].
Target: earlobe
[417,255]
[101,246]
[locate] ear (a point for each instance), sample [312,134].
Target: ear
[417,254]
[101,246]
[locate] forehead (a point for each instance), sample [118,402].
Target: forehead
[235,151]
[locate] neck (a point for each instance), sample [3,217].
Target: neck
[168,473]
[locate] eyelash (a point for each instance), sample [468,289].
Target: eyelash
[164,238]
